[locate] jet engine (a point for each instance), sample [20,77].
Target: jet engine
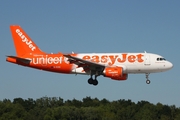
[115,73]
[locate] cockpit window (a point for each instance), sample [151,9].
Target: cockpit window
[161,59]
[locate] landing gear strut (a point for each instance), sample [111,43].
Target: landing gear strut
[147,78]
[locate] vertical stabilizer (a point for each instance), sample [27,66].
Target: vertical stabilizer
[22,42]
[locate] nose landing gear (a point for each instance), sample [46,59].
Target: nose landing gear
[147,78]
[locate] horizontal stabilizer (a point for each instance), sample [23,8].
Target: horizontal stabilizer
[23,60]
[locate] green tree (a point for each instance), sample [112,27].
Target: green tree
[49,114]
[53,108]
[146,112]
[13,111]
[92,113]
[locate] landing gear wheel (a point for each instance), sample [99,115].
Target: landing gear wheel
[148,81]
[95,82]
[90,81]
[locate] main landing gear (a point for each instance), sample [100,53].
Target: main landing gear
[93,81]
[147,78]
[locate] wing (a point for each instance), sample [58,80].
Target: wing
[88,66]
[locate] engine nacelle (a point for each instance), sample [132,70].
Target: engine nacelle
[115,73]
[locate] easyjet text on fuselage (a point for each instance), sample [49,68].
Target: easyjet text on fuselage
[112,59]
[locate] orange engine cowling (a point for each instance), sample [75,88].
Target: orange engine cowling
[115,73]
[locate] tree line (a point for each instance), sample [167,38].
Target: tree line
[55,108]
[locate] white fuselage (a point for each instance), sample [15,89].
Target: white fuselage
[130,62]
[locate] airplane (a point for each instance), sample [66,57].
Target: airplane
[116,66]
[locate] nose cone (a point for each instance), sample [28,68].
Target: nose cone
[169,65]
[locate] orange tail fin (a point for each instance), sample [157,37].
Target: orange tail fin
[22,42]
